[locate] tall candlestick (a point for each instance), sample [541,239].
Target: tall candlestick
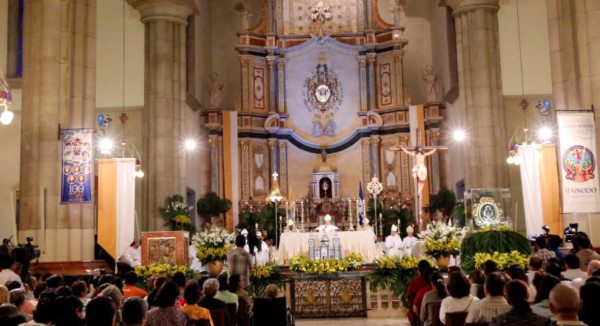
[302,214]
[287,210]
[350,214]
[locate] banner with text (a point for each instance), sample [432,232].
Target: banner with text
[77,166]
[578,166]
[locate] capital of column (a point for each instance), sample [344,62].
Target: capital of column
[460,6]
[175,11]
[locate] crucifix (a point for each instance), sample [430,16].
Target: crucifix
[419,170]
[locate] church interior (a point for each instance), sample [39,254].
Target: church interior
[323,101]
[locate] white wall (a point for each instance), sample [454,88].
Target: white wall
[109,56]
[537,78]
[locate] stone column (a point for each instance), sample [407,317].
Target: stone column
[399,76]
[271,61]
[283,181]
[59,75]
[364,82]
[272,142]
[163,118]
[244,62]
[375,168]
[372,59]
[366,160]
[245,176]
[575,55]
[213,140]
[480,88]
[281,85]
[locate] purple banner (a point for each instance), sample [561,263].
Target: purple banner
[77,166]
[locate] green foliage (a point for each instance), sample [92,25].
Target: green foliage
[264,218]
[444,201]
[391,217]
[177,214]
[458,216]
[501,241]
[212,205]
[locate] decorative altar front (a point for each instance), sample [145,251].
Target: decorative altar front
[360,242]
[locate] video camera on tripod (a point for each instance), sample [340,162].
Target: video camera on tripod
[24,254]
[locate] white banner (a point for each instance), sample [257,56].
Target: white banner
[578,165]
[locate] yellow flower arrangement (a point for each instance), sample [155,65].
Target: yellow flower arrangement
[182,219]
[503,260]
[210,255]
[442,239]
[167,270]
[494,228]
[301,264]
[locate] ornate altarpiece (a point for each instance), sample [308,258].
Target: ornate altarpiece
[312,84]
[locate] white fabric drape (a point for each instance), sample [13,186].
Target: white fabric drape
[530,184]
[125,203]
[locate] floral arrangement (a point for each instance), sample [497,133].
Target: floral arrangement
[395,273]
[503,260]
[301,264]
[494,227]
[442,239]
[166,270]
[263,275]
[213,244]
[177,214]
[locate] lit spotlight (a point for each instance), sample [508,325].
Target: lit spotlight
[7,116]
[190,145]
[545,134]
[459,135]
[106,146]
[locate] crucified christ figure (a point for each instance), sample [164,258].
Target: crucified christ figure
[419,170]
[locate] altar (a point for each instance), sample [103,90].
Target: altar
[360,242]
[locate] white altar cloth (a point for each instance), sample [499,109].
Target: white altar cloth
[292,244]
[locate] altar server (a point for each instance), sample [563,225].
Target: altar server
[393,243]
[327,227]
[262,253]
[409,241]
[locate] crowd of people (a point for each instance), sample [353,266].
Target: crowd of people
[551,292]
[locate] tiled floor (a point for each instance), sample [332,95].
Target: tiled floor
[354,322]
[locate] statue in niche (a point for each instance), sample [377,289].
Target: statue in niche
[214,90]
[240,8]
[397,11]
[430,79]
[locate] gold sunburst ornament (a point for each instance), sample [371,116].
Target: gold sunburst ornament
[486,212]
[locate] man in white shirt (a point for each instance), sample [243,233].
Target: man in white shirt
[573,272]
[327,227]
[493,304]
[7,267]
[132,255]
[393,243]
[409,241]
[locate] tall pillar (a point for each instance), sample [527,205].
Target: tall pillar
[272,142]
[372,59]
[164,112]
[59,75]
[366,160]
[575,55]
[283,175]
[364,82]
[375,168]
[271,61]
[281,85]
[480,88]
[245,176]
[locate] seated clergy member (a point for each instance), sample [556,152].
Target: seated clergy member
[327,227]
[132,255]
[393,243]
[409,241]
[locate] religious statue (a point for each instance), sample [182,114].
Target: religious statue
[214,90]
[409,241]
[393,243]
[327,227]
[397,11]
[419,170]
[240,8]
[430,79]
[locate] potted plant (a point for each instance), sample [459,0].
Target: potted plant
[212,206]
[213,245]
[442,241]
[177,214]
[444,202]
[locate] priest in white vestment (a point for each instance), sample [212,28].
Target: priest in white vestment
[262,255]
[393,243]
[409,241]
[327,227]
[132,255]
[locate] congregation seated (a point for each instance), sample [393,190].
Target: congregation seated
[224,294]
[535,265]
[493,304]
[542,300]
[590,296]
[430,306]
[414,286]
[130,289]
[417,302]
[477,279]
[236,286]
[586,253]
[573,270]
[208,301]
[191,294]
[271,310]
[520,312]
[565,304]
[166,312]
[460,299]
[133,312]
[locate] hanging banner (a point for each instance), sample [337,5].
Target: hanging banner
[578,165]
[77,166]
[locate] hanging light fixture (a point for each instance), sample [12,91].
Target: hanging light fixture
[6,117]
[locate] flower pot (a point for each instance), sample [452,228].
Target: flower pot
[215,268]
[443,262]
